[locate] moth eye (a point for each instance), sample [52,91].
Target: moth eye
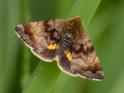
[56,35]
[69,35]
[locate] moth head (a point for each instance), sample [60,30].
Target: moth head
[70,35]
[57,35]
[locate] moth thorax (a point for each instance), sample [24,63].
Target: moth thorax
[66,43]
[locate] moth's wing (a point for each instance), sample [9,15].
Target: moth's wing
[41,37]
[81,60]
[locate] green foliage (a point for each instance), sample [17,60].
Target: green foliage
[19,72]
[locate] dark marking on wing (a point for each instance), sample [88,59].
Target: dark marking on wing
[64,62]
[48,54]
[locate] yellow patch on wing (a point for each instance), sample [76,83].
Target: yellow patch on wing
[68,55]
[52,46]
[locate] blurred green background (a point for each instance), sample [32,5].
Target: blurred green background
[22,72]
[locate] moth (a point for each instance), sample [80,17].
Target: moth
[63,41]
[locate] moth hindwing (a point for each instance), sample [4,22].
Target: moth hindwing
[64,41]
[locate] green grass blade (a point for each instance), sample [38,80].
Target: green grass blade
[2,42]
[62,11]
[26,55]
[45,79]
[110,48]
[42,78]
[85,9]
[10,46]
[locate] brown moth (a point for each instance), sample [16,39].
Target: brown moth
[64,41]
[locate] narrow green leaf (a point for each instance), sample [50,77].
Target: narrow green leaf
[9,45]
[26,57]
[117,86]
[2,42]
[85,9]
[43,78]
[60,10]
[110,48]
